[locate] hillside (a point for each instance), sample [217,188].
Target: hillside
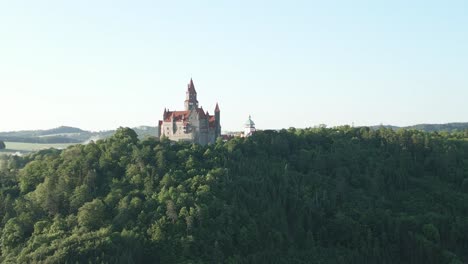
[61,134]
[66,134]
[449,127]
[341,195]
[37,133]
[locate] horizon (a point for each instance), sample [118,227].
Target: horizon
[288,65]
[235,131]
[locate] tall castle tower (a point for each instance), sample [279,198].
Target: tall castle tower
[191,101]
[217,118]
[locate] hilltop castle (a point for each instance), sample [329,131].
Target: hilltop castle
[193,124]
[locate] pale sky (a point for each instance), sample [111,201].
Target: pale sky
[103,64]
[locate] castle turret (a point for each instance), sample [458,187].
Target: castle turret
[217,121]
[249,127]
[191,101]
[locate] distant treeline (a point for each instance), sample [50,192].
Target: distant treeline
[66,135]
[41,140]
[449,127]
[38,133]
[339,195]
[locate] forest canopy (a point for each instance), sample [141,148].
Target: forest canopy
[318,195]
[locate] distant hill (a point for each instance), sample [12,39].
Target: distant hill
[449,127]
[33,133]
[61,134]
[62,130]
[65,134]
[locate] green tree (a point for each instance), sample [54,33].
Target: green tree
[92,215]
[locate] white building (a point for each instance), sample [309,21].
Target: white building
[249,127]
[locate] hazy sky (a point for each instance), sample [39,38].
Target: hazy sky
[103,64]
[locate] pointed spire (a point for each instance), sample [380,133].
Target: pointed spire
[191,87]
[217,108]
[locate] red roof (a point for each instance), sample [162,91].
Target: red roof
[177,115]
[212,121]
[184,115]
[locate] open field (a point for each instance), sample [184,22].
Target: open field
[13,147]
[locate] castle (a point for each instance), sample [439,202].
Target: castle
[193,124]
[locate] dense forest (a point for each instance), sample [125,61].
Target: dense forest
[319,195]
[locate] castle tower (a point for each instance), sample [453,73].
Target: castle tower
[249,127]
[217,121]
[191,101]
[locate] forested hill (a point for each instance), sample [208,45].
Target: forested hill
[341,195]
[61,134]
[66,134]
[449,127]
